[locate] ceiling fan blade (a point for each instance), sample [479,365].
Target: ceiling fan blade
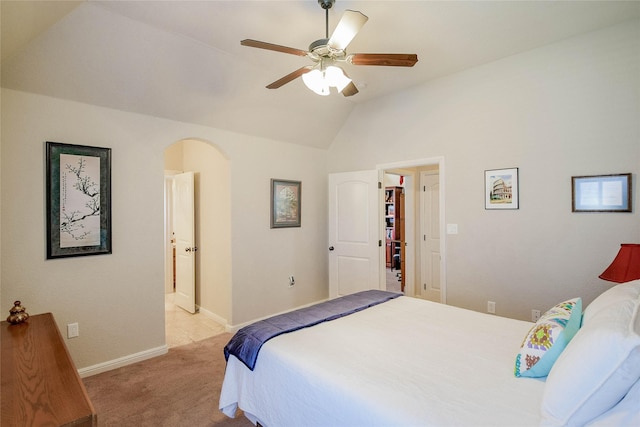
[386,59]
[350,23]
[275,47]
[289,77]
[350,90]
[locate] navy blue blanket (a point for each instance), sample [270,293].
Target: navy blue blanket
[246,343]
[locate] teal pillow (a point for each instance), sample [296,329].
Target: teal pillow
[547,338]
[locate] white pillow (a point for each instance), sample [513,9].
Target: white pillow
[597,368]
[625,413]
[617,293]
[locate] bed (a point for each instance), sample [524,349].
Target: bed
[410,362]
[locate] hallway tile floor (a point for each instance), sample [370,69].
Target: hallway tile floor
[182,327]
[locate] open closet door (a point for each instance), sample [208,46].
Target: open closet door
[354,252]
[184,228]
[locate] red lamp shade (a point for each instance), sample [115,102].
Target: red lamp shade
[626,266]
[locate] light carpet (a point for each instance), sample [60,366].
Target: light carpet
[181,388]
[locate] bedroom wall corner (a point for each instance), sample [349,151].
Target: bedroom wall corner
[264,258]
[213,225]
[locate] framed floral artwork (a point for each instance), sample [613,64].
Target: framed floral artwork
[286,198]
[78,198]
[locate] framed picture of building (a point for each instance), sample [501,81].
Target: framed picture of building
[501,189]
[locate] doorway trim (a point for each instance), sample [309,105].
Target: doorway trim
[410,217]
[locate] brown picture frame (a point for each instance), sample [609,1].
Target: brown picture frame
[602,193]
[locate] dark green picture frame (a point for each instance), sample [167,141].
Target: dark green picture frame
[83,228]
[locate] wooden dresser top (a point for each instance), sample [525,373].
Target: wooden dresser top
[40,385]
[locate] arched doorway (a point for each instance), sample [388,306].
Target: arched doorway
[212,219]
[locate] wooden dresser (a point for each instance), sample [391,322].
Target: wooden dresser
[40,384]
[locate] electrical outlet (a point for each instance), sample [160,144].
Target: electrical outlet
[535,315]
[292,281]
[73,330]
[491,307]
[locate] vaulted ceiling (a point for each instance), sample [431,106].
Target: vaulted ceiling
[182,60]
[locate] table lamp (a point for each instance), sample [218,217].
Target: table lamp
[626,265]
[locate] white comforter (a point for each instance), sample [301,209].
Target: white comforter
[406,362]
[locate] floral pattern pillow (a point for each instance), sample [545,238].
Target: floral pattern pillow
[547,338]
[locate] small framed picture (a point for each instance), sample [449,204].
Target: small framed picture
[601,193]
[501,189]
[286,198]
[78,179]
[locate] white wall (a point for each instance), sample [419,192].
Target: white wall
[571,108]
[264,258]
[118,299]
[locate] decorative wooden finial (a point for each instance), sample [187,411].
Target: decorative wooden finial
[18,314]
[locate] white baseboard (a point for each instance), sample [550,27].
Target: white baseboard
[159,351]
[210,315]
[123,361]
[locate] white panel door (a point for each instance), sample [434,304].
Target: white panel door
[353,232]
[430,226]
[184,228]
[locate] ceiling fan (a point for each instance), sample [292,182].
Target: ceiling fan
[328,52]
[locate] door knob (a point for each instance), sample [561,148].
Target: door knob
[331,248]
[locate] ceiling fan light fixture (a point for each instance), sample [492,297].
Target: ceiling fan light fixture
[336,78]
[321,79]
[315,81]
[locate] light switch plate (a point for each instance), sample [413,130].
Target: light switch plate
[73,330]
